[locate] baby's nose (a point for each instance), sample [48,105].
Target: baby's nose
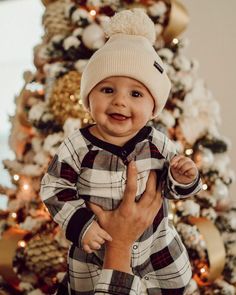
[120,99]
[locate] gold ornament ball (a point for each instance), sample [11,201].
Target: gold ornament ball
[65,99]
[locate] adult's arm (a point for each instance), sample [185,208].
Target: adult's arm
[125,225]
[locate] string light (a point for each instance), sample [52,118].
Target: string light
[72,97]
[41,91]
[93,12]
[13,215]
[25,186]
[201,277]
[204,186]
[16,177]
[202,270]
[175,41]
[188,152]
[171,216]
[21,244]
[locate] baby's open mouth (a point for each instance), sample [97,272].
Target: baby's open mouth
[119,117]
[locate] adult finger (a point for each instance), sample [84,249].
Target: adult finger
[150,190]
[131,184]
[155,206]
[97,210]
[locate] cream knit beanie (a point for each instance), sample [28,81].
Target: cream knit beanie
[128,52]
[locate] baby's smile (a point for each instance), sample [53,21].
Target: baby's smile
[119,117]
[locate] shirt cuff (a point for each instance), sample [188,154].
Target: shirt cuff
[176,183]
[115,282]
[183,190]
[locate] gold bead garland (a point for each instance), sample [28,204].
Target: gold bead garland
[55,21]
[65,99]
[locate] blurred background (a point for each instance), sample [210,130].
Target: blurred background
[212,41]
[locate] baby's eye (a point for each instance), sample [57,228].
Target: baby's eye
[107,90]
[136,93]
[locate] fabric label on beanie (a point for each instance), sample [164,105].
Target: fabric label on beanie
[159,67]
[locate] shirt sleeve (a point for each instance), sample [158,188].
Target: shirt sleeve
[170,187]
[174,189]
[59,193]
[115,282]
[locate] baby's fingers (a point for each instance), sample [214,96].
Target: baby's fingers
[93,245]
[104,235]
[175,161]
[190,172]
[87,249]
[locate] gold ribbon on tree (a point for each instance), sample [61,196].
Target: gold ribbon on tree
[215,249]
[178,20]
[9,242]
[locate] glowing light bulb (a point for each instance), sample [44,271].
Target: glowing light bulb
[72,98]
[21,244]
[175,41]
[25,186]
[16,177]
[13,215]
[93,12]
[204,186]
[171,216]
[188,152]
[202,270]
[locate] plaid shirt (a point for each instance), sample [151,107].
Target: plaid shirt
[86,168]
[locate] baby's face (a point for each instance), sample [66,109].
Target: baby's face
[120,106]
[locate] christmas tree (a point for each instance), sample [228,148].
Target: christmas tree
[32,247]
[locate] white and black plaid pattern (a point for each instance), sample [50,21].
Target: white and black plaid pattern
[88,169]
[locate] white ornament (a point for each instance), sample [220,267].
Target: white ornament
[205,158]
[70,125]
[93,36]
[167,118]
[157,9]
[71,41]
[189,207]
[220,190]
[80,65]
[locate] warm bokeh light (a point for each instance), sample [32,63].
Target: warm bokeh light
[188,152]
[16,177]
[93,12]
[21,244]
[204,186]
[25,186]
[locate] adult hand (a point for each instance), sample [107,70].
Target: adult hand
[127,223]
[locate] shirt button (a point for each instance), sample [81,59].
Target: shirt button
[135,247]
[146,278]
[124,153]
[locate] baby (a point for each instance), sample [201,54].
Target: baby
[123,86]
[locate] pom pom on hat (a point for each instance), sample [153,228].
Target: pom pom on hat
[128,53]
[131,22]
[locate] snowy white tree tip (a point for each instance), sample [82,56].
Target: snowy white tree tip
[131,22]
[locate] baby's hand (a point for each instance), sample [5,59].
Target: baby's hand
[183,169]
[94,238]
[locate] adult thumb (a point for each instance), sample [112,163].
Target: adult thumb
[97,210]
